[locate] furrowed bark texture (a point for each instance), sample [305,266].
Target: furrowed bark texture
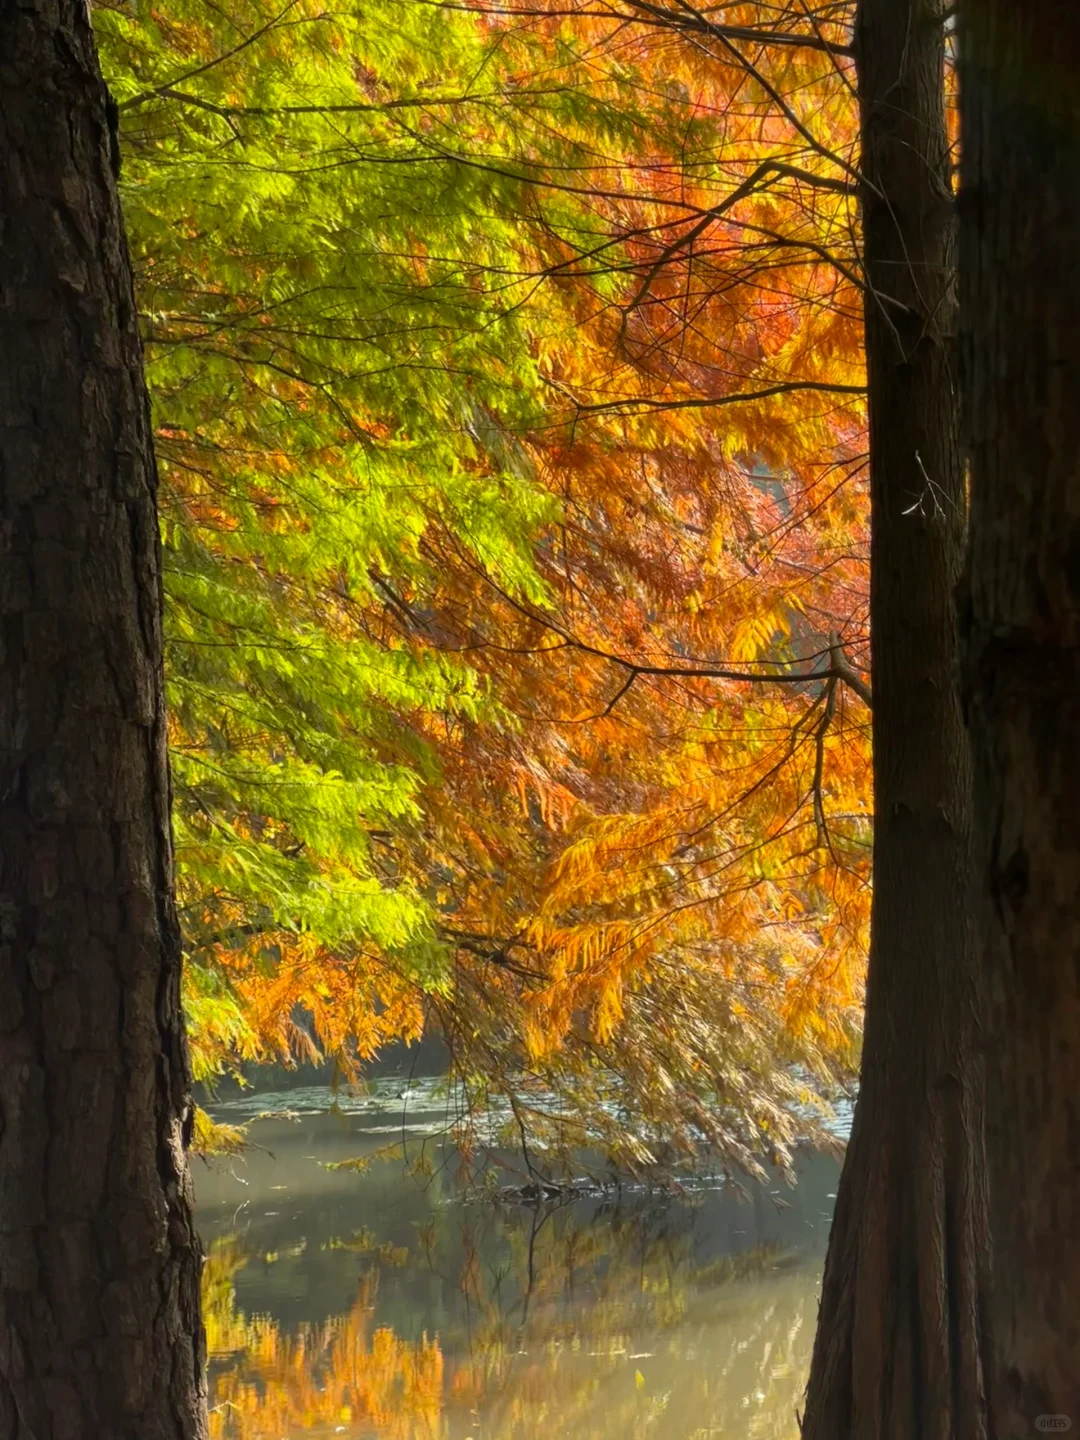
[1020,235]
[899,1342]
[99,1264]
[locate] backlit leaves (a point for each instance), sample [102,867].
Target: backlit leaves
[507,386]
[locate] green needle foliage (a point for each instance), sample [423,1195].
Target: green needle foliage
[337,372]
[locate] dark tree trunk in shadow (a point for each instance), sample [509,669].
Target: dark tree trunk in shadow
[1021,328]
[99,1264]
[898,1354]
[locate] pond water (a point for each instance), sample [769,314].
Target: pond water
[390,1302]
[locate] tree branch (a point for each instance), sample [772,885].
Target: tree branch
[843,667]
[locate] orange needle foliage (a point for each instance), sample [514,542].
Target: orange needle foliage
[689,895]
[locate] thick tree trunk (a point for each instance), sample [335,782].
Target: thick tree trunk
[99,1264]
[898,1350]
[1021,328]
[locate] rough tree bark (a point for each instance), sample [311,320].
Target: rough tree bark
[898,1354]
[1020,237]
[99,1263]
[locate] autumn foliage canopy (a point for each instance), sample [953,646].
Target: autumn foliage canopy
[507,375]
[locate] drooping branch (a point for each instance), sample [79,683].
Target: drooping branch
[828,711]
[660,16]
[839,667]
[843,668]
[640,404]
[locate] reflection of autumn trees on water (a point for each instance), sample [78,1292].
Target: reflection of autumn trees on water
[347,1372]
[589,1331]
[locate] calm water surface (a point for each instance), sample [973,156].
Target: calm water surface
[388,1303]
